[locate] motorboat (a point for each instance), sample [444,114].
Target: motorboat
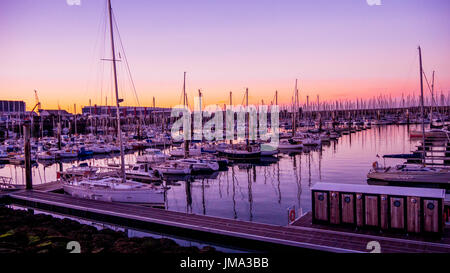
[174,167]
[144,173]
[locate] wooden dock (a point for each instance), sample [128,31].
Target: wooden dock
[389,242]
[220,231]
[49,187]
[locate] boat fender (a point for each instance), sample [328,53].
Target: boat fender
[292,216]
[375,165]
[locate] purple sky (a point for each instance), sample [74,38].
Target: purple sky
[337,48]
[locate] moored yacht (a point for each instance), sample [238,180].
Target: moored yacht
[113,189]
[152,156]
[144,173]
[409,173]
[201,165]
[68,153]
[179,152]
[46,155]
[174,167]
[268,149]
[243,152]
[290,144]
[83,169]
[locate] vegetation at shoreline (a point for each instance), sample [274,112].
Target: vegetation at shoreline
[24,232]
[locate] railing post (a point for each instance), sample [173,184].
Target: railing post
[27,149]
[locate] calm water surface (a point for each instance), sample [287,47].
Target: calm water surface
[263,193]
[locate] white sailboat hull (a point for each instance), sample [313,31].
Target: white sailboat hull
[124,196]
[150,159]
[182,171]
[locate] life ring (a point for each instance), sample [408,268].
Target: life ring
[292,215]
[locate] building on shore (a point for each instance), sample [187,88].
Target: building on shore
[12,108]
[48,112]
[136,111]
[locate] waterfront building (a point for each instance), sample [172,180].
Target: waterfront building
[12,108]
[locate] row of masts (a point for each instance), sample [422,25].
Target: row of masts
[434,101]
[376,102]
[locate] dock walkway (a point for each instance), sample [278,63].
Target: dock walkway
[222,231]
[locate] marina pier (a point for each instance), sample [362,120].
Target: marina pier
[249,236]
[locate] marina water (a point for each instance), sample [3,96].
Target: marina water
[263,192]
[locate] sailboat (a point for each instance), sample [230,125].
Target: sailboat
[414,173]
[245,151]
[114,189]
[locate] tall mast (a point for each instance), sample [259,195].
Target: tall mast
[432,100]
[246,97]
[184,89]
[231,125]
[421,104]
[186,141]
[247,116]
[294,112]
[200,100]
[119,131]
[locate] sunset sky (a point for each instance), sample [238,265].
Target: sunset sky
[336,48]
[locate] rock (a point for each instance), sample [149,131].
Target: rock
[8,251]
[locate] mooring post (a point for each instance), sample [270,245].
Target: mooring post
[27,148]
